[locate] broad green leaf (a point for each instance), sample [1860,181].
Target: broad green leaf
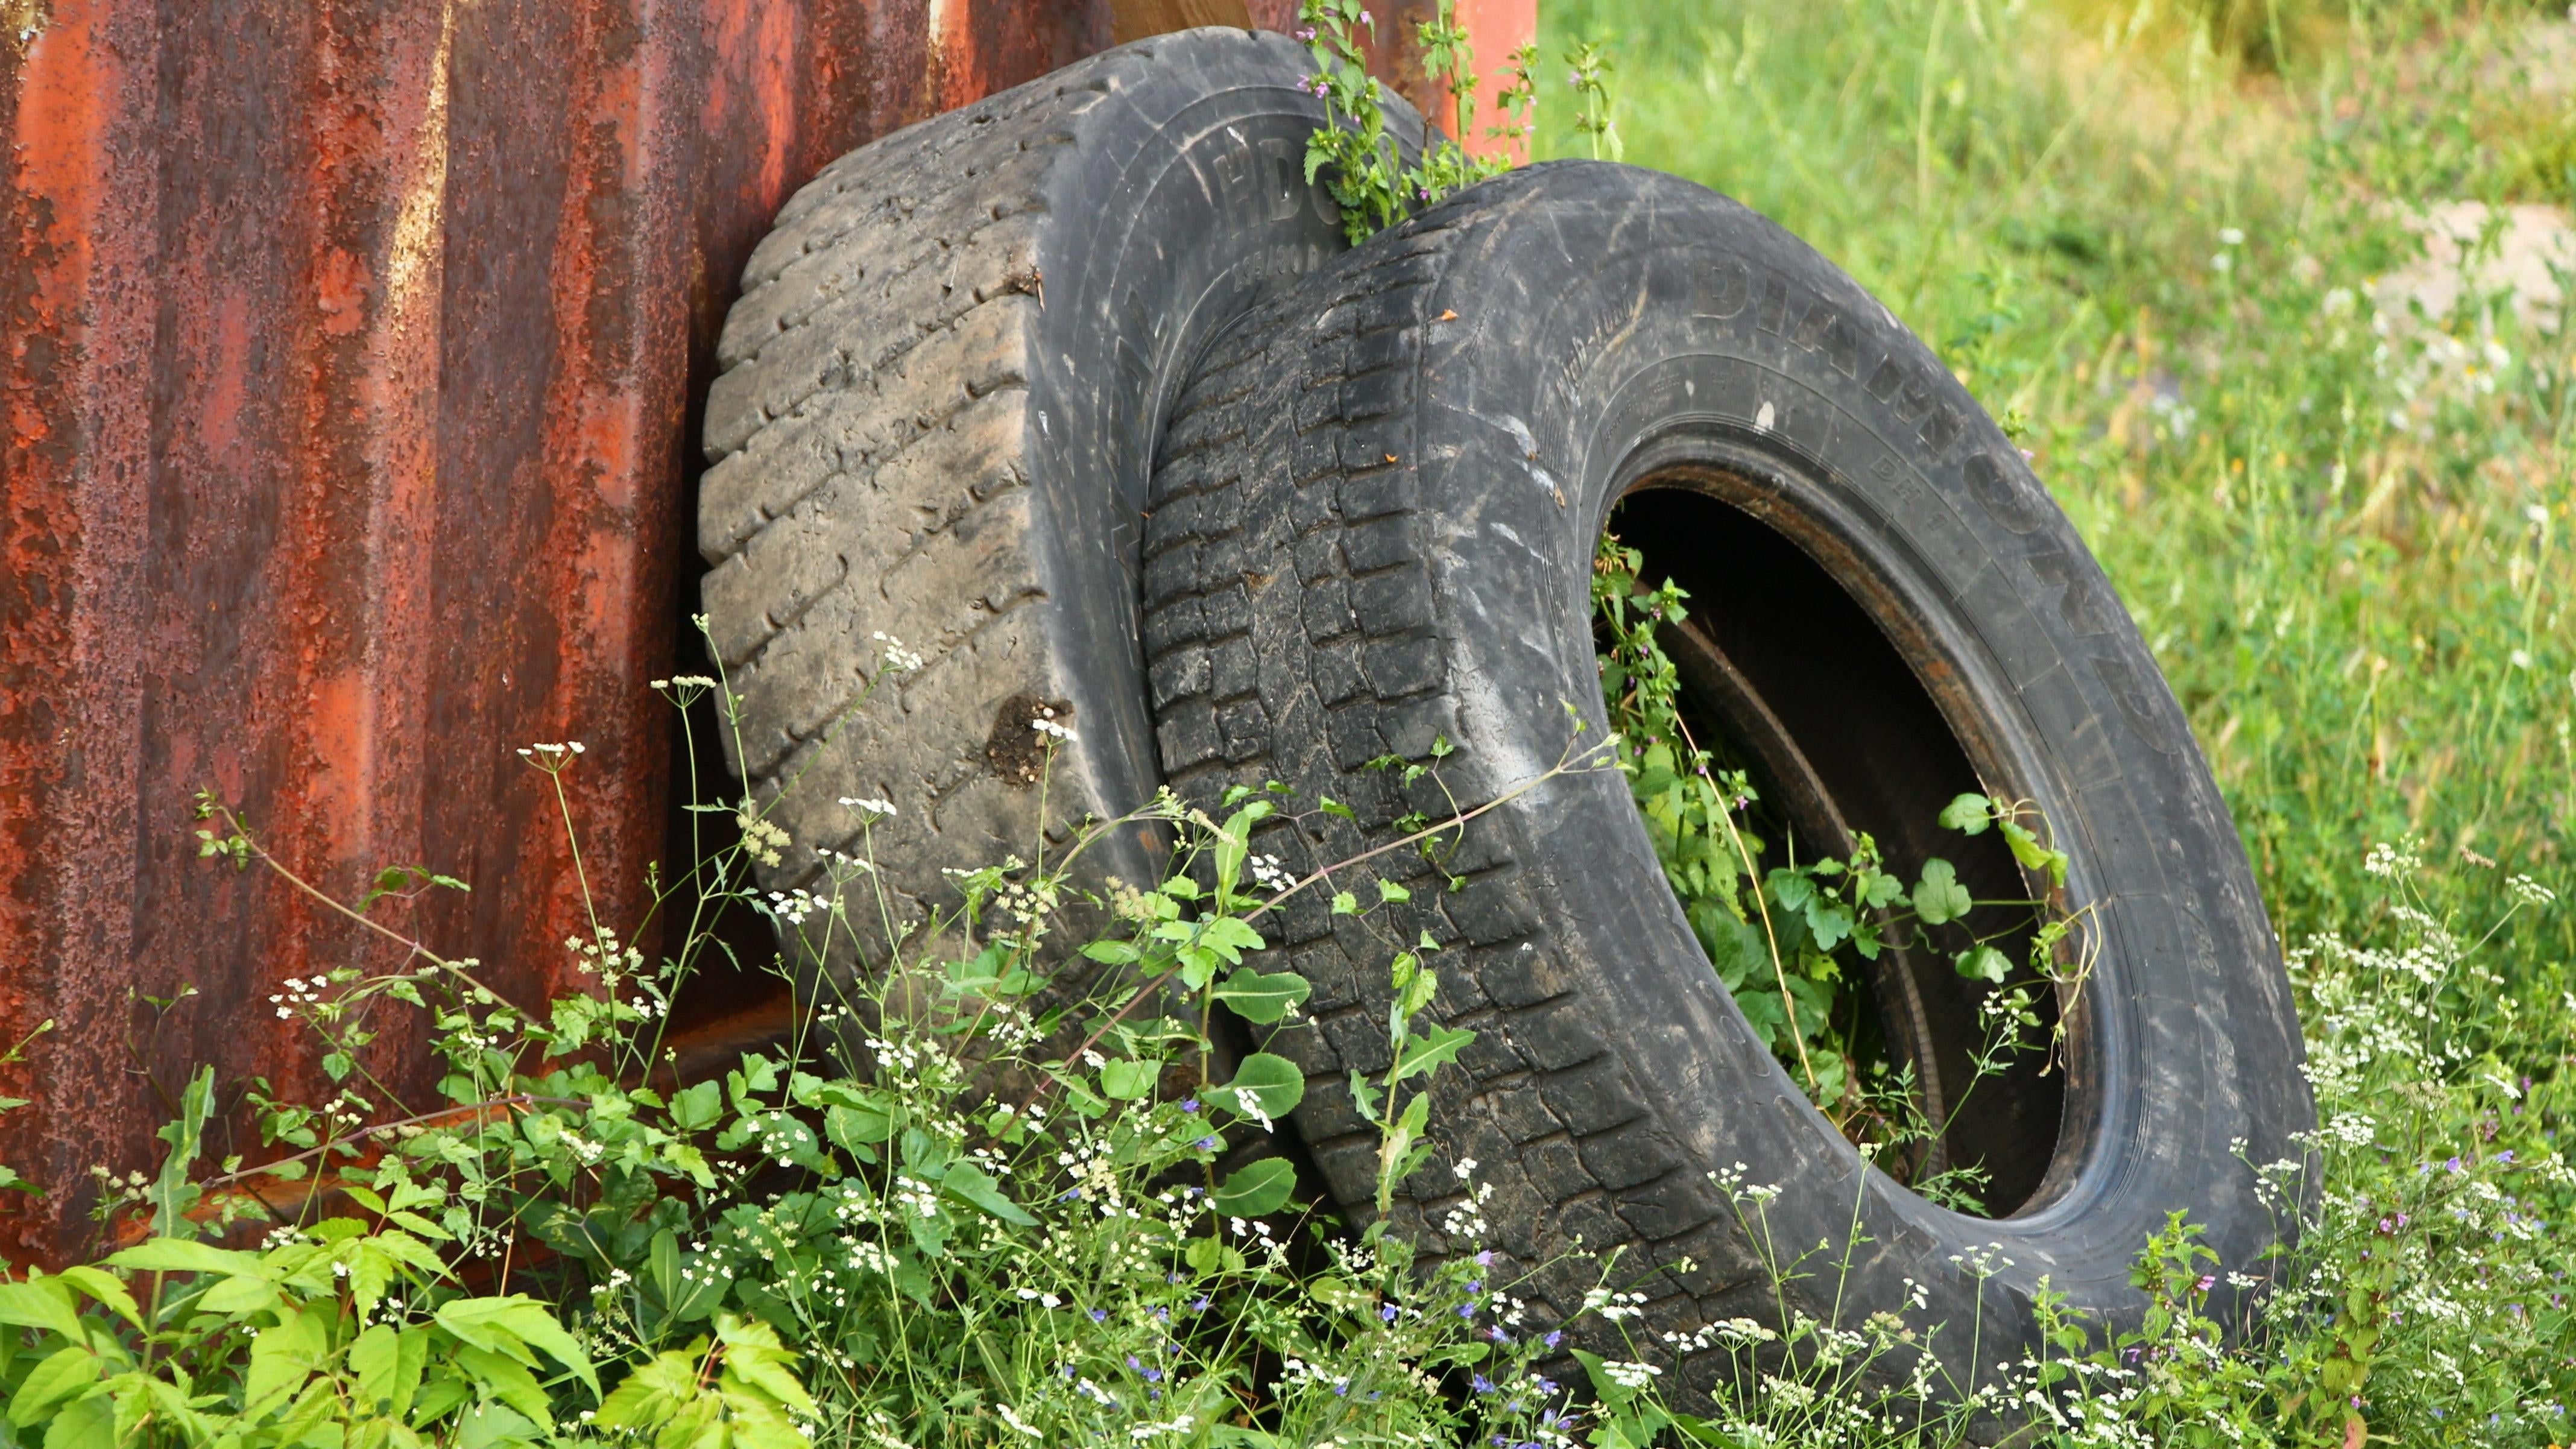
[856,1127]
[41,1303]
[1968,814]
[1829,921]
[106,1290]
[696,1108]
[1388,890]
[1272,1083]
[969,1183]
[376,1357]
[508,1380]
[283,1355]
[1985,964]
[1111,953]
[1256,1189]
[60,1375]
[1128,1079]
[1938,897]
[87,1423]
[178,1255]
[535,1324]
[370,1269]
[1261,997]
[1345,904]
[754,1354]
[239,1296]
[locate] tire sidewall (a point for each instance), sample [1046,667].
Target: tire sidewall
[1610,322]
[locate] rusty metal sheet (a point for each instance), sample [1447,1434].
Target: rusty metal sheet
[350,356]
[1495,29]
[348,366]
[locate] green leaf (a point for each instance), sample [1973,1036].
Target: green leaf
[1228,934]
[88,1423]
[283,1355]
[968,1183]
[1939,898]
[1388,890]
[62,1374]
[1262,998]
[535,1324]
[41,1303]
[1272,1083]
[508,1380]
[178,1255]
[855,1127]
[106,1290]
[1345,904]
[1985,963]
[1111,953]
[1430,1049]
[1968,814]
[241,1295]
[388,1365]
[1256,1189]
[1128,1079]
[696,1108]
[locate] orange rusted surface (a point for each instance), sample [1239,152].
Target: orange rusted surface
[350,355]
[1495,29]
[348,358]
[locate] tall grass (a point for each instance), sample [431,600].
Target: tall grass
[2164,253]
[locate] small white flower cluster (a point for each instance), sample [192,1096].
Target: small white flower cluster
[603,953]
[1731,1332]
[1731,1181]
[1983,1262]
[1295,1372]
[1154,1430]
[551,758]
[793,906]
[2528,891]
[299,993]
[1045,724]
[763,839]
[870,810]
[2403,858]
[1269,873]
[1614,1306]
[1634,1377]
[898,659]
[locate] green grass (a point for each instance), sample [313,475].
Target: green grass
[2336,556]
[2158,246]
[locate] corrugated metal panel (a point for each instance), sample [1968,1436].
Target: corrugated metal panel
[349,358]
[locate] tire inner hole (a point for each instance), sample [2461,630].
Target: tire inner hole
[1786,675]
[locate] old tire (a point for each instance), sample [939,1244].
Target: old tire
[938,398]
[1375,513]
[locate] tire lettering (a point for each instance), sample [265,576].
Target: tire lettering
[2137,700]
[1825,331]
[2077,601]
[1774,317]
[2003,497]
[1722,290]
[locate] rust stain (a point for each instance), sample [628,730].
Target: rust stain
[349,362]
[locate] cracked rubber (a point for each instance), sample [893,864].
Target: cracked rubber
[1375,515]
[939,395]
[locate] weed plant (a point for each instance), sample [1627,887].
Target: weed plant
[1013,1189]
